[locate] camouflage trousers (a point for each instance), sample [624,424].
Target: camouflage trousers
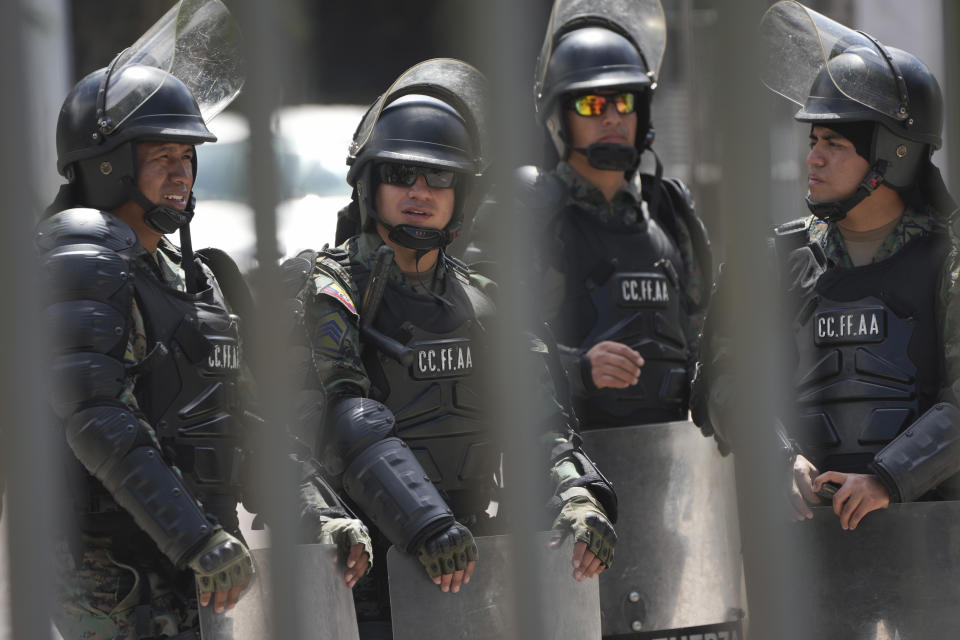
[99,598]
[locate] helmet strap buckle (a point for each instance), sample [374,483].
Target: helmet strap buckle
[838,209]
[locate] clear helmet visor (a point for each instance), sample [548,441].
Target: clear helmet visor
[799,43]
[196,41]
[453,81]
[643,21]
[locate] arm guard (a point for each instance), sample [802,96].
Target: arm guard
[116,450]
[923,456]
[380,473]
[590,477]
[90,282]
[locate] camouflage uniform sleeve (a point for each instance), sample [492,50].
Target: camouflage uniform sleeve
[695,285]
[135,352]
[948,303]
[332,324]
[569,465]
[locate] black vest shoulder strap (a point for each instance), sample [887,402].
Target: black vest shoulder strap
[231,281]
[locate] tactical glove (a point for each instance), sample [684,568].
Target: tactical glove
[223,563]
[448,551]
[583,517]
[345,532]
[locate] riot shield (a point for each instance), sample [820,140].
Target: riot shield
[893,577]
[677,562]
[326,603]
[798,43]
[483,610]
[198,42]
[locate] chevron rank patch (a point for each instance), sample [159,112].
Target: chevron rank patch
[337,292]
[330,332]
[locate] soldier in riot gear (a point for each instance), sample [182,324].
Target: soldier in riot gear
[623,269]
[625,265]
[398,332]
[871,279]
[147,368]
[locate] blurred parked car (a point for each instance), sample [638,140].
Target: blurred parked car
[311,148]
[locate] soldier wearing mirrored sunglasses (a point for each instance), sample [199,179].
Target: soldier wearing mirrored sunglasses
[625,267]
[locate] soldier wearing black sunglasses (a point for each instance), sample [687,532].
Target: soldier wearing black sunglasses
[397,332]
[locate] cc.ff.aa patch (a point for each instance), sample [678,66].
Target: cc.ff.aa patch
[330,333]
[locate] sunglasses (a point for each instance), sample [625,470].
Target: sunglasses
[406,175]
[593,104]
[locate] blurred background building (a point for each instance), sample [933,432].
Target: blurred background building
[348,51]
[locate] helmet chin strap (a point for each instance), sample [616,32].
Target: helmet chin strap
[837,210]
[607,156]
[160,218]
[163,219]
[422,240]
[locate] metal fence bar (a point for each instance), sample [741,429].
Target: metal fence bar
[266,65]
[951,86]
[744,120]
[29,466]
[505,58]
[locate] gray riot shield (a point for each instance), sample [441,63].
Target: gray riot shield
[894,577]
[484,609]
[677,562]
[326,604]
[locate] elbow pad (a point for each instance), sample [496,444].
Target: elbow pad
[923,456]
[381,474]
[116,449]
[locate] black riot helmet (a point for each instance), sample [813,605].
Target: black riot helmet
[840,76]
[432,116]
[601,45]
[97,153]
[595,59]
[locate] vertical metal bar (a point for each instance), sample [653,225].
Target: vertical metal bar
[951,85]
[506,60]
[267,63]
[28,441]
[744,112]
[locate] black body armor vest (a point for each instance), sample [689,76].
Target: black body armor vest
[623,284]
[188,389]
[437,399]
[869,355]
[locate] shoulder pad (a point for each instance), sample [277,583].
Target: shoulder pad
[683,209]
[483,283]
[538,346]
[229,278]
[791,235]
[330,279]
[680,188]
[538,189]
[295,272]
[798,226]
[458,266]
[84,226]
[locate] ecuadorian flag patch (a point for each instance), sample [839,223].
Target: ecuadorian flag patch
[334,290]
